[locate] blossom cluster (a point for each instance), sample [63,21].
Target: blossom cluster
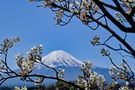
[83,5]
[20,88]
[58,16]
[61,73]
[4,47]
[8,43]
[26,63]
[90,80]
[83,8]
[120,18]
[125,87]
[104,52]
[38,82]
[95,40]
[122,73]
[128,5]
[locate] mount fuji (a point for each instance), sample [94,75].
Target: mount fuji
[61,58]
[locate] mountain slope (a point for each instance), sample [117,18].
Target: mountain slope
[61,58]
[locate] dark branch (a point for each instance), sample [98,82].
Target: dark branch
[110,17]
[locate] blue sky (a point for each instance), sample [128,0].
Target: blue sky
[36,26]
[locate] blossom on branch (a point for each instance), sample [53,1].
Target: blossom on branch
[104,52]
[95,40]
[20,88]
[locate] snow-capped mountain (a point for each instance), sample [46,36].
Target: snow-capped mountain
[61,58]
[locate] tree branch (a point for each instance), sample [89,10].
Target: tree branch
[110,17]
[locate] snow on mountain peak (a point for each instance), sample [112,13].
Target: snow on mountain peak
[60,58]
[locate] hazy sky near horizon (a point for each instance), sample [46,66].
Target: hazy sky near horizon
[36,26]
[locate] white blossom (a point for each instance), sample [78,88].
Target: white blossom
[104,52]
[124,88]
[58,16]
[38,81]
[61,73]
[95,40]
[20,88]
